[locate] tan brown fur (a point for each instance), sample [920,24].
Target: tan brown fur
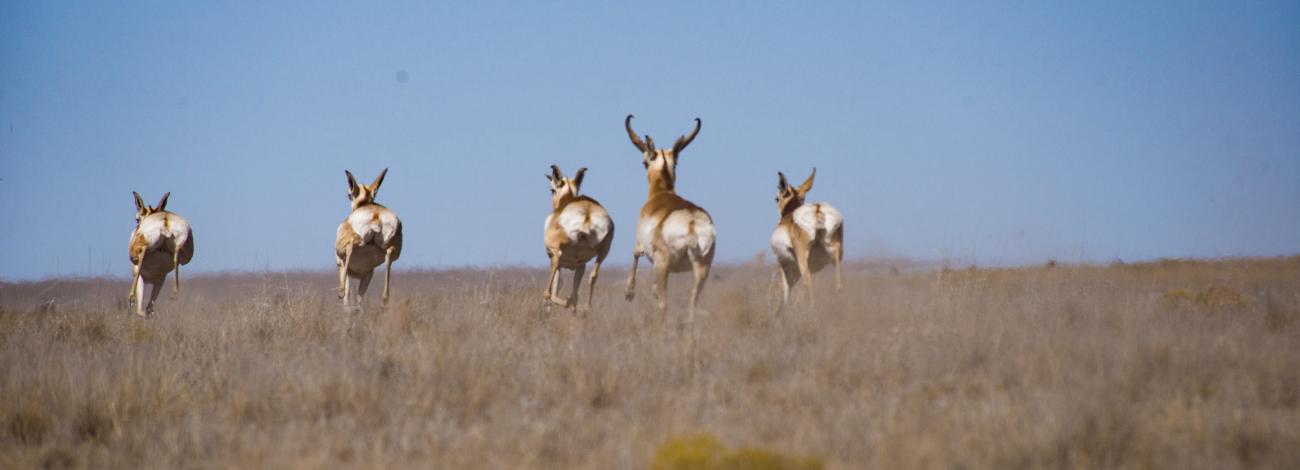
[663,203]
[565,252]
[357,257]
[809,255]
[151,264]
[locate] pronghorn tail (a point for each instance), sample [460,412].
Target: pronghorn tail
[701,235]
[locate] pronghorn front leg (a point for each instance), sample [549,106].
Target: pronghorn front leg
[137,294]
[343,275]
[631,277]
[388,273]
[801,257]
[154,290]
[572,301]
[788,277]
[549,293]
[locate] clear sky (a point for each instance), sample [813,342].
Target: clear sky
[977,132]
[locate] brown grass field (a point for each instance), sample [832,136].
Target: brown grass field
[1171,364]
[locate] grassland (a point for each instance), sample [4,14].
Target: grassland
[1173,364]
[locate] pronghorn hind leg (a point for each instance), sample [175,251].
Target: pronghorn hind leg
[701,269]
[363,284]
[836,250]
[176,265]
[388,273]
[661,286]
[591,285]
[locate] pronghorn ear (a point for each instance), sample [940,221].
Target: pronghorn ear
[139,202]
[556,174]
[649,144]
[374,187]
[577,178]
[781,184]
[808,183]
[352,184]
[162,203]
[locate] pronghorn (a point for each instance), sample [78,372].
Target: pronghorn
[371,235]
[162,241]
[577,230]
[807,237]
[673,233]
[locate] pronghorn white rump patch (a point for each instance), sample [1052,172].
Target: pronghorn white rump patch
[688,230]
[820,216]
[373,225]
[584,223]
[161,227]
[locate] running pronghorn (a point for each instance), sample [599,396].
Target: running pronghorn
[162,241]
[577,230]
[673,233]
[807,237]
[371,235]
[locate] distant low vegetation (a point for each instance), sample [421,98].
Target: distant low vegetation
[1174,364]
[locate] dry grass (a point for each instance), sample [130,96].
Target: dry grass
[1171,364]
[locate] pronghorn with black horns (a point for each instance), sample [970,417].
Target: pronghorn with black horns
[370,236]
[673,233]
[808,237]
[577,230]
[161,242]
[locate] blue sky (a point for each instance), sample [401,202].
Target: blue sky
[978,132]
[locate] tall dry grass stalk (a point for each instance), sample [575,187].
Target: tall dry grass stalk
[1169,364]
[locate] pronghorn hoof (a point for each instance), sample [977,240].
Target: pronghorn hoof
[629,295]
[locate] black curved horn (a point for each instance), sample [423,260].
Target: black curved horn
[685,140]
[640,145]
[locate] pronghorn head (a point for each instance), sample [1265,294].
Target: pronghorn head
[660,164]
[563,189]
[361,195]
[142,210]
[789,198]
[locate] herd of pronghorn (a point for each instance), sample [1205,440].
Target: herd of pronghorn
[673,233]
